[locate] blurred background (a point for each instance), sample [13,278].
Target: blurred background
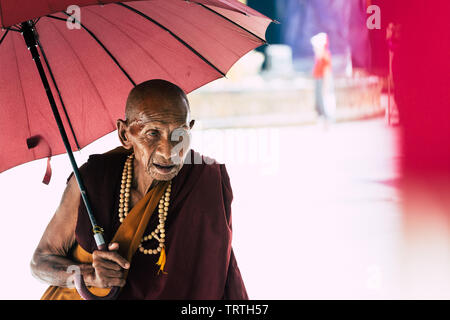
[316,150]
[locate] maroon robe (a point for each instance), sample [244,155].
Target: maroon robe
[200,261]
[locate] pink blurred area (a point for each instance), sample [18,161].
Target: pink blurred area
[423,97]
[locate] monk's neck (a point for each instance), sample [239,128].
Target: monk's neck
[142,182]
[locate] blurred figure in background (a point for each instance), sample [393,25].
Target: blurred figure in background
[392,38]
[325,102]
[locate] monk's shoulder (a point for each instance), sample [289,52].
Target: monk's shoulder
[211,170]
[214,184]
[99,165]
[205,164]
[108,158]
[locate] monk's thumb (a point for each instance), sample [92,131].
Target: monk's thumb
[113,246]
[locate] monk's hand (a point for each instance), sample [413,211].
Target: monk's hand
[109,267]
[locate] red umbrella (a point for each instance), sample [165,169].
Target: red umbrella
[84,75]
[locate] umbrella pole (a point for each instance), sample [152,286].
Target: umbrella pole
[30,36]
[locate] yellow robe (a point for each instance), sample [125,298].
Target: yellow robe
[128,236]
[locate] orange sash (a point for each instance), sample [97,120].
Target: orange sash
[128,236]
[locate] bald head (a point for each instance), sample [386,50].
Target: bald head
[156,128]
[156,94]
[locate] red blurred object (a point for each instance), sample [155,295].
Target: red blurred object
[321,64]
[91,70]
[421,69]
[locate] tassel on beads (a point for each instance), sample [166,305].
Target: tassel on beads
[162,261]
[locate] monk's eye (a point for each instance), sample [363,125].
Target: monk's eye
[152,133]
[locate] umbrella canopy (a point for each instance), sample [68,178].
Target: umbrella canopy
[92,69]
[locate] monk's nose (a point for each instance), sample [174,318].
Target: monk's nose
[164,150]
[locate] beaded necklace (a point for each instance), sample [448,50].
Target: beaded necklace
[163,209]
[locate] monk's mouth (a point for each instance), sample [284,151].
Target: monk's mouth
[164,168]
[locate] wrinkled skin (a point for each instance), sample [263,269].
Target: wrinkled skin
[149,132]
[156,112]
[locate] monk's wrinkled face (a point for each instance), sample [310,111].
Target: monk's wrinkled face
[158,132]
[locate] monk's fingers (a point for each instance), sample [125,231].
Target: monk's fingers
[111,256]
[113,246]
[111,282]
[106,264]
[103,274]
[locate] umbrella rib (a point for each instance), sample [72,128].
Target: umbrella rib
[16,29]
[100,43]
[234,23]
[173,35]
[88,76]
[136,42]
[6,32]
[59,93]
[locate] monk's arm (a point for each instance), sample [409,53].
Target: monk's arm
[51,259]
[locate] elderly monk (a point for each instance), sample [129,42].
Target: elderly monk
[168,220]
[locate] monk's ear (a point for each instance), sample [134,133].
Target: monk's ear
[123,134]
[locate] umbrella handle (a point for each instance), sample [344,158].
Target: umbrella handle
[84,292]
